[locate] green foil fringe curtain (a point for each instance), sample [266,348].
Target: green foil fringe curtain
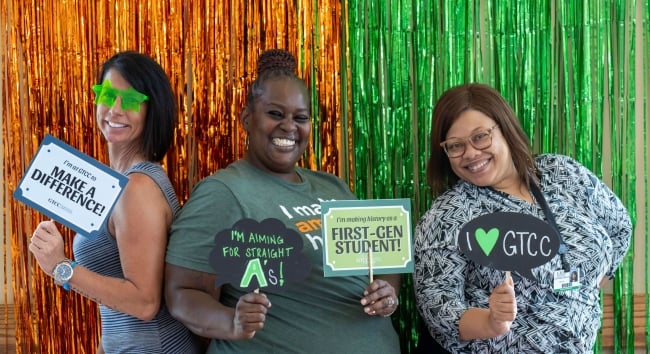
[576,73]
[559,63]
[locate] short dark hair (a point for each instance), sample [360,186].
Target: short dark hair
[273,64]
[488,101]
[148,77]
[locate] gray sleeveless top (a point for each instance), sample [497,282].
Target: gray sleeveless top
[122,333]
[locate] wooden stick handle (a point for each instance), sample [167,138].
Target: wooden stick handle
[370,265]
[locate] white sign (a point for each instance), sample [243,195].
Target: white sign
[70,187]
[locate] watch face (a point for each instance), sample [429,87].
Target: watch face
[63,272]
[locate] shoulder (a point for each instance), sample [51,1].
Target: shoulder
[460,195]
[224,187]
[146,167]
[556,165]
[235,172]
[453,208]
[211,186]
[553,160]
[326,184]
[312,175]
[152,174]
[148,174]
[145,181]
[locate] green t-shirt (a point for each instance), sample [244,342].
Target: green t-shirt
[318,315]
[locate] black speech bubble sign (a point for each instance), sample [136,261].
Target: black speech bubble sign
[509,241]
[253,255]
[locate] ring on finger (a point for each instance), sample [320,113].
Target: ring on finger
[391,302]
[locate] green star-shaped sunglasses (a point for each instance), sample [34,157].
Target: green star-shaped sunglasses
[106,94]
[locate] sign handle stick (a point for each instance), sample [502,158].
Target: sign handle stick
[370,265]
[508,276]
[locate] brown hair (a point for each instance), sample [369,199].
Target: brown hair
[488,101]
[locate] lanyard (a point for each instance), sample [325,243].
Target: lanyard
[551,220]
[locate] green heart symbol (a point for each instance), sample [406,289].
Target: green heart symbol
[486,240]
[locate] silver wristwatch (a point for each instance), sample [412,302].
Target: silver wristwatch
[63,272]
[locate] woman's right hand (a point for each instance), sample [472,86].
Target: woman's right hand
[503,307]
[250,315]
[47,246]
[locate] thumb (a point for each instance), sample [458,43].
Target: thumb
[509,280]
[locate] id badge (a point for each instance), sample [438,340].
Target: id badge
[563,281]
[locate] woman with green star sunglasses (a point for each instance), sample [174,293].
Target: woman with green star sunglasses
[122,268]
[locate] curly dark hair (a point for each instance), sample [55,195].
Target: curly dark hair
[276,60]
[273,64]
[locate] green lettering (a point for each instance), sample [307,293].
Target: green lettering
[253,269]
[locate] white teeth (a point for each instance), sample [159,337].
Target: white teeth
[115,125]
[478,166]
[283,142]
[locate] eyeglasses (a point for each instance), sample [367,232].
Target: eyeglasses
[481,140]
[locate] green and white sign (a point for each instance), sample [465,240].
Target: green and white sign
[353,229]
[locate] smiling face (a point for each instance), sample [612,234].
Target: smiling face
[119,126]
[278,126]
[490,167]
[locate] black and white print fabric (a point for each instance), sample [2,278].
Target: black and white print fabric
[595,226]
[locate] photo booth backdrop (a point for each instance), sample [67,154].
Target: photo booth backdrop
[375,68]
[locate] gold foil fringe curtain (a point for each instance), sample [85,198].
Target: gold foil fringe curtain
[50,54]
[375,70]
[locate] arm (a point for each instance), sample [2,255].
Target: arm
[139,221]
[613,216]
[611,221]
[190,290]
[438,276]
[441,298]
[445,287]
[192,299]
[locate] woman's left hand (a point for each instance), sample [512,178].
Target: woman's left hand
[380,299]
[47,246]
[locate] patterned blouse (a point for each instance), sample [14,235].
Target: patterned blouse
[593,223]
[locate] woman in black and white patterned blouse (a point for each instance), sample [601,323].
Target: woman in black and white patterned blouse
[480,164]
